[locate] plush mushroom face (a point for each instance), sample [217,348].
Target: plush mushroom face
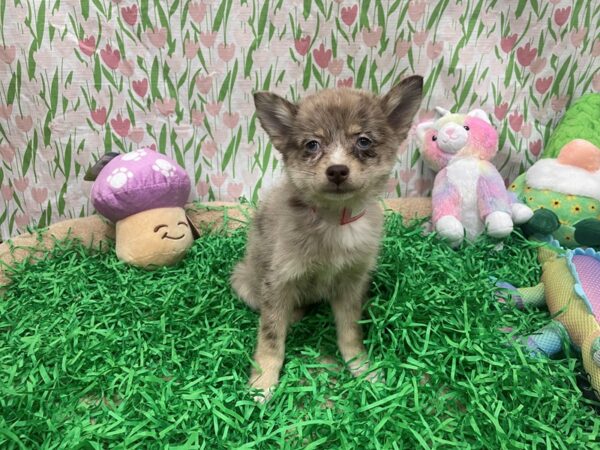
[157,237]
[144,192]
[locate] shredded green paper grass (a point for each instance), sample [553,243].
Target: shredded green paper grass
[96,354]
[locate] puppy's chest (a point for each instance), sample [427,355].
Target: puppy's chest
[321,253]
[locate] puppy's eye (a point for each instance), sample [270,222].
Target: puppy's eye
[434,138]
[363,143]
[312,146]
[466,128]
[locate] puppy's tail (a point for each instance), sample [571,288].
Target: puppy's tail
[242,281]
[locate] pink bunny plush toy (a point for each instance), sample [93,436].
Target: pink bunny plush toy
[469,196]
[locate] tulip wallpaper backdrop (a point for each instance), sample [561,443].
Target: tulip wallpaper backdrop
[79,78]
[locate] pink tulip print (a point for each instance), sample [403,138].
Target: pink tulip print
[349,14]
[5,111]
[88,45]
[121,126]
[197,117]
[372,37]
[140,87]
[7,192]
[24,123]
[526,54]
[110,56]
[535,147]
[7,153]
[302,44]
[130,14]
[345,82]
[197,11]
[501,110]
[516,121]
[231,119]
[204,83]
[21,184]
[39,194]
[166,106]
[202,188]
[322,56]
[507,43]
[99,115]
[208,39]
[80,78]
[561,15]
[543,84]
[226,51]
[8,54]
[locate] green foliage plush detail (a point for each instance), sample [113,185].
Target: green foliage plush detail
[581,121]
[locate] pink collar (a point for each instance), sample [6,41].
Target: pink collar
[346,216]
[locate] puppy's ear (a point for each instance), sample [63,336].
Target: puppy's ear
[276,115]
[401,104]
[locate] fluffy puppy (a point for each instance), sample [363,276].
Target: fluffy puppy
[316,235]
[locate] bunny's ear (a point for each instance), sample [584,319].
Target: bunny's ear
[422,129]
[480,114]
[441,111]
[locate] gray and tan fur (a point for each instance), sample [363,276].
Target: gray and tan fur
[338,148]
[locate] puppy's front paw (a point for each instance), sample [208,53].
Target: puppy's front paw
[264,383]
[362,368]
[375,377]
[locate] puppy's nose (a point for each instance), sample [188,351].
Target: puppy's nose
[337,173]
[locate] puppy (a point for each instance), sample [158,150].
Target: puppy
[316,235]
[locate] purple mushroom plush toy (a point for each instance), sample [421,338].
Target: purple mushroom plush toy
[143,192]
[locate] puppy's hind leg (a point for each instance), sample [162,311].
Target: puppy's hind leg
[243,279]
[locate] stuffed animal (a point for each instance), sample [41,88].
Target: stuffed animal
[469,196]
[143,192]
[570,287]
[564,194]
[563,187]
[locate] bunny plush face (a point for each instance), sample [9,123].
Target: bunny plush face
[457,135]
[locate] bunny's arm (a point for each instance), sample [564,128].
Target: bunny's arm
[491,192]
[445,198]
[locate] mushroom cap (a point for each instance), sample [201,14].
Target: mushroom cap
[139,181]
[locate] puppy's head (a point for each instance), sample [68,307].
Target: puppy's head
[339,145]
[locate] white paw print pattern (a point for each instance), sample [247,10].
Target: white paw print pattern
[135,155]
[165,167]
[118,178]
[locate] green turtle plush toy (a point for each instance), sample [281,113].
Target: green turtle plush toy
[563,187]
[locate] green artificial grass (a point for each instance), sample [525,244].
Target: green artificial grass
[96,354]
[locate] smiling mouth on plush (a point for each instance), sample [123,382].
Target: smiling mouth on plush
[166,234]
